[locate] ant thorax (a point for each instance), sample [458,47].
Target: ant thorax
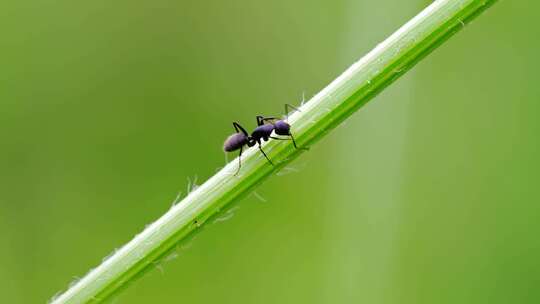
[262,132]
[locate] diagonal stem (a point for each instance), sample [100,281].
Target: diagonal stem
[346,94]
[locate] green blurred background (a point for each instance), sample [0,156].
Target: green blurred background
[429,194]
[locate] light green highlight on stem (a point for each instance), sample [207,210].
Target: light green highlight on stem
[346,94]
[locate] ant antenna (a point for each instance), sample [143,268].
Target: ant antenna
[287,106]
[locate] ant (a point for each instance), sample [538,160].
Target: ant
[238,140]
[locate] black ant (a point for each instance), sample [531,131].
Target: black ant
[263,131]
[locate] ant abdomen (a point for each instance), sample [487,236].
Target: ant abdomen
[235,142]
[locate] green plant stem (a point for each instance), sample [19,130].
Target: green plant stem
[356,86]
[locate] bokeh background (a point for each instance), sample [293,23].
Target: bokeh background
[429,194]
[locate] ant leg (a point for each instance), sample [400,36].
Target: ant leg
[239,162]
[294,143]
[260,148]
[238,126]
[277,138]
[291,138]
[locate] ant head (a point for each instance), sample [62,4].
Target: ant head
[281,127]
